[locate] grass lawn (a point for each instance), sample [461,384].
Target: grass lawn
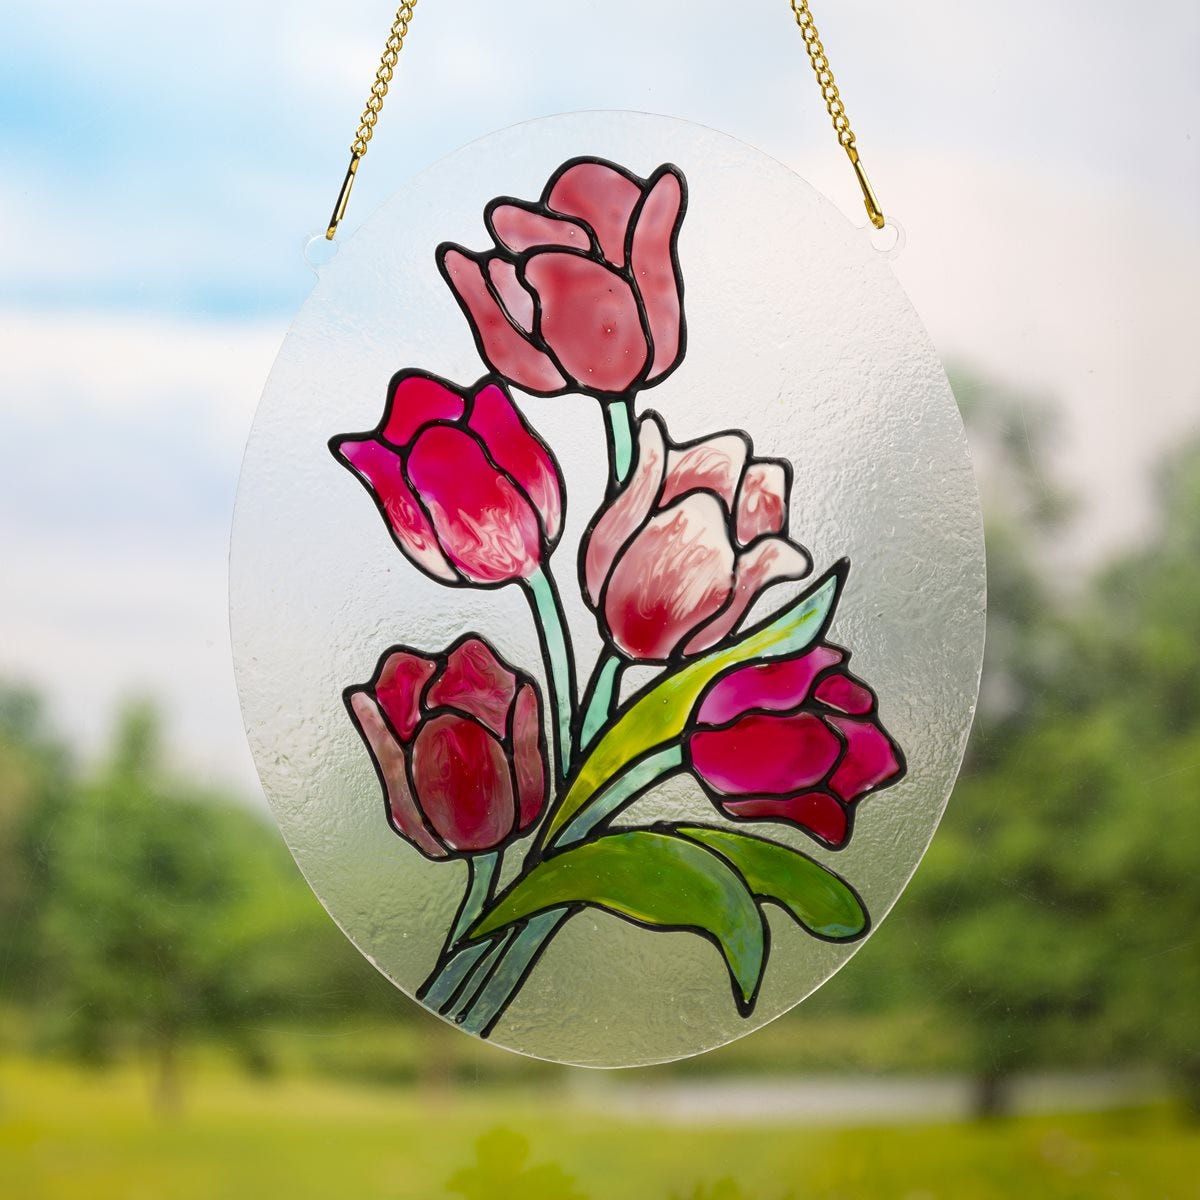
[69,1133]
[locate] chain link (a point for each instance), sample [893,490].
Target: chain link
[820,66]
[383,78]
[834,105]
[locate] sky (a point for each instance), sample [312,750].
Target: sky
[161,169]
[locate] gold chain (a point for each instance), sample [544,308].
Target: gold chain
[383,77]
[835,107]
[374,106]
[395,43]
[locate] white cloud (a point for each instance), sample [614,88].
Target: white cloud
[116,542]
[131,365]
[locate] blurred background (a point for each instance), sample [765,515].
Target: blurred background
[179,1018]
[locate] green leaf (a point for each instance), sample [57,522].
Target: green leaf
[660,715]
[816,897]
[653,879]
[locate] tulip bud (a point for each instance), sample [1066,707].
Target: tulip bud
[469,492]
[797,740]
[458,747]
[582,291]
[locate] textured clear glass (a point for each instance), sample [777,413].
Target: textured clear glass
[798,333]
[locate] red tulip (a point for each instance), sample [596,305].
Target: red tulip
[457,744]
[582,291]
[470,493]
[684,549]
[798,740]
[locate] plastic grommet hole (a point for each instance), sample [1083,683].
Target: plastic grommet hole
[889,240]
[319,251]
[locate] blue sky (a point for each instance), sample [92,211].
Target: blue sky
[161,166]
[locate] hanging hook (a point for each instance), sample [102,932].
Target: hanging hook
[869,198]
[339,209]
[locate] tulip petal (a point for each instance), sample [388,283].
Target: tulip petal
[416,400]
[509,352]
[775,686]
[398,690]
[516,450]
[764,754]
[382,470]
[715,464]
[476,683]
[846,694]
[767,562]
[521,227]
[528,760]
[507,288]
[485,525]
[601,196]
[631,507]
[870,758]
[676,573]
[655,271]
[589,317]
[817,812]
[462,780]
[762,501]
[388,757]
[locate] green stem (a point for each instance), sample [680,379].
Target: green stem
[452,967]
[445,983]
[604,690]
[618,416]
[511,972]
[481,972]
[621,793]
[603,693]
[552,631]
[482,868]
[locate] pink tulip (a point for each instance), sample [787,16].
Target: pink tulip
[470,493]
[582,291]
[798,741]
[457,745]
[688,544]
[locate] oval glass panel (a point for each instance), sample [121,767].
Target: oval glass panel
[607,589]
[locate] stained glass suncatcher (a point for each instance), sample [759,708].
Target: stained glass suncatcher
[659,649]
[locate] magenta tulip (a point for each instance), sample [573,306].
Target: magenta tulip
[798,741]
[470,493]
[683,550]
[457,745]
[582,291]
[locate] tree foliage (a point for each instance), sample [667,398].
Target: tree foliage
[35,783]
[1054,915]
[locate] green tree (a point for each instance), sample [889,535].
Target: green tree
[35,786]
[1055,908]
[1142,631]
[174,912]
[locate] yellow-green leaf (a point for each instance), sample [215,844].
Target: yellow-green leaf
[660,715]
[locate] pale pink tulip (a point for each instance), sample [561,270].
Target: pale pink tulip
[689,543]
